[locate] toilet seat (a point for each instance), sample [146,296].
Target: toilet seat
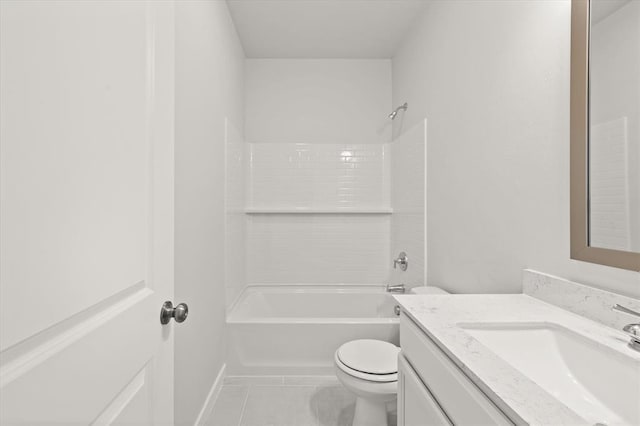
[370,360]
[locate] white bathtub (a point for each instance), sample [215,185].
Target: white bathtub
[294,330]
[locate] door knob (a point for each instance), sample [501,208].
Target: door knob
[179,313]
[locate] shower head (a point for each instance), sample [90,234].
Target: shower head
[395,111]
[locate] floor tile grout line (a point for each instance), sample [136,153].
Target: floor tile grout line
[244,405]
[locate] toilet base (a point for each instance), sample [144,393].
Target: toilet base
[370,413]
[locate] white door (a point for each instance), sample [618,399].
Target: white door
[86,259]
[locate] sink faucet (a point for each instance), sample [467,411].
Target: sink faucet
[633,330]
[396,288]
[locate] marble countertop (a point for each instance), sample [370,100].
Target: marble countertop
[514,393]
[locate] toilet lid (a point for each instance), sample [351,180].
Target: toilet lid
[370,356]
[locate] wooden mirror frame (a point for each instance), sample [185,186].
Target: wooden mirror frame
[580,249]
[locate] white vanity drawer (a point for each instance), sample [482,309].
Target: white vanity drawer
[416,405]
[462,401]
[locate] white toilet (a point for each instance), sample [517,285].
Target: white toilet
[369,369]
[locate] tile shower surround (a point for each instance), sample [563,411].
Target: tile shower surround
[346,234]
[339,246]
[318,175]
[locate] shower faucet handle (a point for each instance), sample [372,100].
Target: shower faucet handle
[402,260]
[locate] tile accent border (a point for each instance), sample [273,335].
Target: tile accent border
[589,302]
[207,408]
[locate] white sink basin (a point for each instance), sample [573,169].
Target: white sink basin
[598,383]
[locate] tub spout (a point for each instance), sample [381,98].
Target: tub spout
[396,288]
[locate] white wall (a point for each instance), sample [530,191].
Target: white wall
[492,78]
[209,84]
[317,100]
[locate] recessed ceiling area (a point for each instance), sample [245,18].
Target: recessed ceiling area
[323,28]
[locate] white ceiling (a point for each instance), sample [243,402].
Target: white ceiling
[323,28]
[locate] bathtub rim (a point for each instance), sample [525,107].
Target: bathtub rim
[309,288]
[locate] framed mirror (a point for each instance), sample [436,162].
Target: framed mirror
[605,132]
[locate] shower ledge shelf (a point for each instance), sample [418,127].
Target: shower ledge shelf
[318,210]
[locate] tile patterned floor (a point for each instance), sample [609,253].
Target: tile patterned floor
[282,402]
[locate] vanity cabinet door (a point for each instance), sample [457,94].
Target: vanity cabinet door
[416,406]
[462,401]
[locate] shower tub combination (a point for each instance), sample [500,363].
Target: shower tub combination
[287,330]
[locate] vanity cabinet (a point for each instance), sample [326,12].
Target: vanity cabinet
[416,405]
[432,390]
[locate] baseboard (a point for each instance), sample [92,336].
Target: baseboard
[205,412]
